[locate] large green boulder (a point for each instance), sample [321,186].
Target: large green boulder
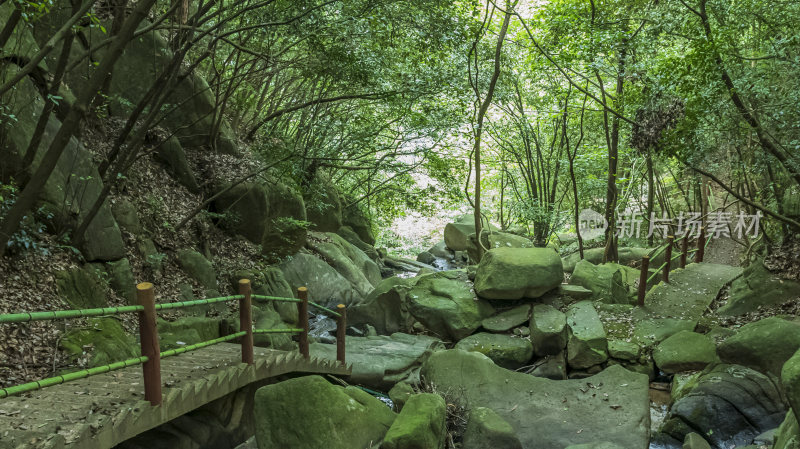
[549,414]
[587,344]
[508,319]
[649,332]
[758,287]
[384,308]
[120,279]
[486,429]
[623,350]
[790,378]
[323,205]
[764,345]
[187,331]
[456,234]
[81,288]
[336,418]
[271,215]
[74,184]
[495,239]
[514,273]
[504,350]
[445,305]
[191,106]
[400,394]
[548,328]
[788,434]
[347,233]
[354,218]
[609,282]
[103,340]
[420,425]
[352,263]
[325,284]
[731,404]
[198,268]
[381,361]
[171,154]
[684,351]
[273,283]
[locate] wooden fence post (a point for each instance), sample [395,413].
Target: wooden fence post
[148,335]
[302,313]
[246,321]
[341,328]
[668,257]
[701,245]
[643,279]
[685,250]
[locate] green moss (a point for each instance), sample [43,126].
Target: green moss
[104,339]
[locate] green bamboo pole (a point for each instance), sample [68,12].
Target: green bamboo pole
[50,381]
[277,331]
[203,344]
[25,317]
[196,302]
[331,312]
[274,298]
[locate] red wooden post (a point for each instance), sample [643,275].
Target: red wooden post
[668,257]
[246,321]
[148,335]
[685,250]
[643,279]
[701,245]
[341,327]
[302,312]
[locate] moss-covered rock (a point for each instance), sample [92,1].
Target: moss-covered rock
[337,418]
[486,429]
[514,273]
[352,263]
[444,304]
[790,378]
[609,282]
[127,216]
[323,205]
[748,292]
[420,425]
[684,351]
[103,339]
[186,331]
[507,319]
[81,288]
[120,278]
[172,155]
[764,345]
[504,350]
[627,256]
[354,218]
[695,441]
[495,239]
[272,216]
[548,328]
[198,268]
[788,434]
[587,344]
[325,284]
[273,283]
[384,308]
[400,393]
[623,350]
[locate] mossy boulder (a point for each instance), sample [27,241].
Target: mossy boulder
[171,154]
[685,351]
[356,219]
[127,216]
[649,332]
[325,284]
[81,288]
[120,279]
[384,308]
[508,319]
[623,350]
[273,283]
[444,304]
[535,407]
[788,434]
[400,393]
[352,263]
[347,233]
[758,287]
[271,215]
[495,239]
[504,350]
[420,425]
[515,273]
[336,418]
[627,256]
[587,344]
[548,328]
[695,441]
[198,268]
[323,205]
[790,378]
[186,331]
[486,429]
[764,345]
[456,234]
[609,282]
[104,339]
